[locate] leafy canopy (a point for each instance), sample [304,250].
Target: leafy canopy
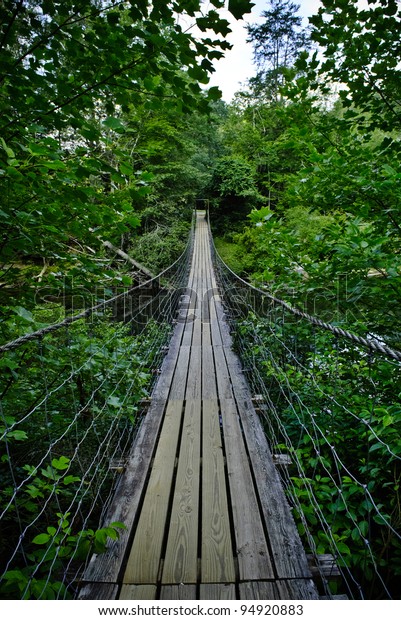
[70,75]
[361,50]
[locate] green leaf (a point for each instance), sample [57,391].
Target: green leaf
[113,18]
[364,527]
[118,524]
[24,314]
[111,533]
[18,435]
[125,168]
[101,536]
[114,401]
[151,83]
[41,539]
[10,152]
[343,548]
[199,74]
[114,123]
[147,176]
[16,576]
[133,221]
[381,520]
[53,165]
[239,8]
[214,93]
[389,170]
[71,479]
[61,463]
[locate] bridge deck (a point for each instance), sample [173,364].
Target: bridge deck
[205,512]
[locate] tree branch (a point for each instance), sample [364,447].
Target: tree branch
[128,258]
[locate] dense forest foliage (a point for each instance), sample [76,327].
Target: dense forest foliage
[317,160]
[101,105]
[109,137]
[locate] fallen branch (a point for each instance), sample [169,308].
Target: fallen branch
[128,258]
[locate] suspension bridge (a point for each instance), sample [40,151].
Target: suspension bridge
[205,510]
[191,501]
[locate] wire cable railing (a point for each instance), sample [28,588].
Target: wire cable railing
[329,402]
[71,397]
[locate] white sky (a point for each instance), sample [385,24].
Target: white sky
[236,67]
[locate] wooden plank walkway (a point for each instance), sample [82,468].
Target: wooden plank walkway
[205,511]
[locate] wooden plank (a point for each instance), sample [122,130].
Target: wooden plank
[179,381]
[187,336]
[214,321]
[144,560]
[211,279]
[252,549]
[163,385]
[288,554]
[98,592]
[205,303]
[187,312]
[334,597]
[280,590]
[197,329]
[181,592]
[209,388]
[138,593]
[287,550]
[208,288]
[192,300]
[225,335]
[217,561]
[194,380]
[323,567]
[223,375]
[206,336]
[181,558]
[217,592]
[258,591]
[297,589]
[198,269]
